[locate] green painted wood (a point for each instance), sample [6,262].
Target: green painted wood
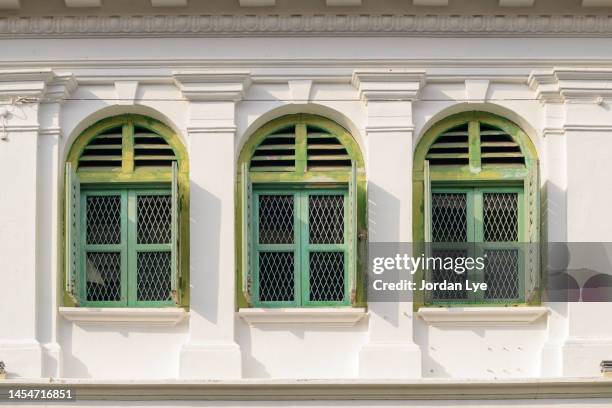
[474,146]
[300,148]
[310,178]
[129,177]
[176,272]
[496,176]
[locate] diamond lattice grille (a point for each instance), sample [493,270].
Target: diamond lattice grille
[500,217]
[439,275]
[501,274]
[276,219]
[103,220]
[103,276]
[276,276]
[154,224]
[326,276]
[154,276]
[326,219]
[449,217]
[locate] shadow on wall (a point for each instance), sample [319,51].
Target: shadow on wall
[204,218]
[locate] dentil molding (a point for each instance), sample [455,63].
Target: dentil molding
[305,25]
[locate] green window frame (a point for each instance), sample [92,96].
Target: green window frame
[476,244]
[130,249]
[476,153]
[302,250]
[301,155]
[127,156]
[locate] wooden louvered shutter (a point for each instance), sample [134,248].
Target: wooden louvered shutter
[353,235]
[427,237]
[72,233]
[245,183]
[532,220]
[176,267]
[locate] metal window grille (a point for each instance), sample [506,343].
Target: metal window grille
[276,276]
[449,217]
[154,219]
[326,219]
[103,220]
[440,275]
[276,215]
[501,274]
[326,276]
[154,275]
[500,217]
[103,276]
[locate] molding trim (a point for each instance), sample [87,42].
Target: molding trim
[388,84]
[163,316]
[306,25]
[481,316]
[572,85]
[325,390]
[213,85]
[311,317]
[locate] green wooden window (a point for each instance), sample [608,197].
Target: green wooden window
[126,247]
[476,193]
[300,248]
[301,216]
[126,216]
[478,222]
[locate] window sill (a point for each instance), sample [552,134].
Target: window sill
[481,316]
[318,317]
[163,316]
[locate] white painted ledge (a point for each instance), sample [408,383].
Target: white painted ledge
[481,316]
[321,317]
[163,316]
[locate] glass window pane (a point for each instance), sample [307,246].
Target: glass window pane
[276,277]
[103,276]
[103,219]
[154,219]
[276,219]
[326,276]
[449,217]
[500,217]
[154,276]
[326,219]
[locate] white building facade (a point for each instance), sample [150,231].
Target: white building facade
[213,82]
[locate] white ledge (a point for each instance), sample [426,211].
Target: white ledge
[163,316]
[327,317]
[481,316]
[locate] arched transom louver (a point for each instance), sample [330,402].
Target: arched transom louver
[300,147]
[475,143]
[127,145]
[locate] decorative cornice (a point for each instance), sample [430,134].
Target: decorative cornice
[306,25]
[388,84]
[572,85]
[213,85]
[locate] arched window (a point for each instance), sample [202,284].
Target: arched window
[126,216]
[476,194]
[301,191]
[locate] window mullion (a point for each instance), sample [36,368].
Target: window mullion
[128,277]
[477,249]
[302,249]
[300,148]
[127,147]
[474,146]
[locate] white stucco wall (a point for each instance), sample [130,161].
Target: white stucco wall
[214,342]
